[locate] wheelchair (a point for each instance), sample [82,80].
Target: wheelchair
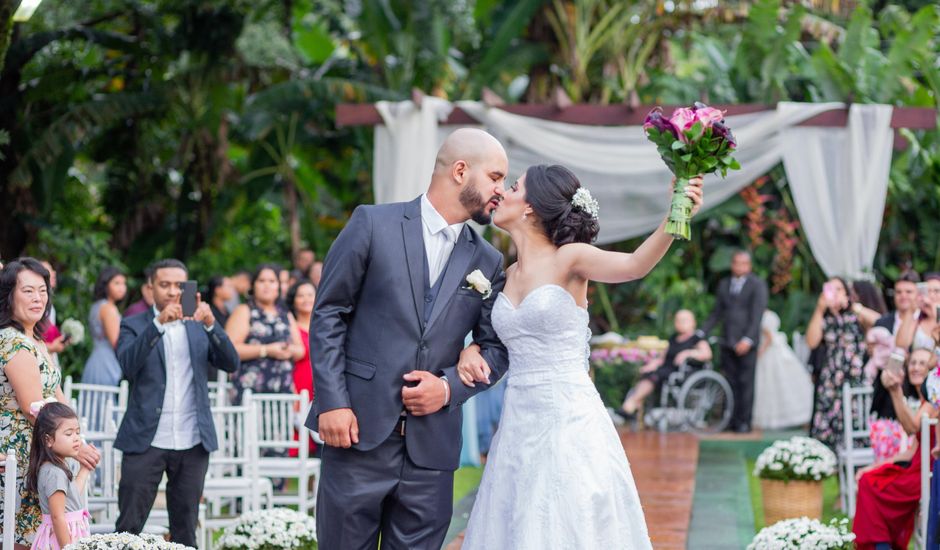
[693,399]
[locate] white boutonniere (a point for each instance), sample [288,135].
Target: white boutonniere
[477,281]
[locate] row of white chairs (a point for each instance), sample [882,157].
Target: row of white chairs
[239,476]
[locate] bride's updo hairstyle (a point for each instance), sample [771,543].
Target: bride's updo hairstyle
[550,190]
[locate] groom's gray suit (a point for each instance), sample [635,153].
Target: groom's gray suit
[377,318]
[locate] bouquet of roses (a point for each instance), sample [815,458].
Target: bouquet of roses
[692,141]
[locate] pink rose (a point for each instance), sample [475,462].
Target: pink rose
[709,115]
[683,118]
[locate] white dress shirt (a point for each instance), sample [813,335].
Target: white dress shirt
[177,429]
[737,283]
[439,238]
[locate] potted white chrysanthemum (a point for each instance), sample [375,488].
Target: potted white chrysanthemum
[124,541]
[274,529]
[800,533]
[791,473]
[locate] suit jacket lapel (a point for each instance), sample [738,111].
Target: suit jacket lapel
[454,273]
[413,236]
[160,351]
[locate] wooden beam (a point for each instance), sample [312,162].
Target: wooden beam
[365,114]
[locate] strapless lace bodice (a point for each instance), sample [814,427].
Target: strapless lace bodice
[545,333]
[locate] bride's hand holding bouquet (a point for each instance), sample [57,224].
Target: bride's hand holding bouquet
[692,142]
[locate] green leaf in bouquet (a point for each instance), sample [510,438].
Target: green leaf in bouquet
[695,132]
[676,145]
[727,160]
[686,157]
[653,134]
[735,165]
[710,163]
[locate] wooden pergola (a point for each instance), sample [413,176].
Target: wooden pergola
[364,114]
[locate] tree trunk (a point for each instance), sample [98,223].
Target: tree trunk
[7,8]
[293,217]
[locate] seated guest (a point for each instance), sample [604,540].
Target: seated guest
[889,494]
[684,346]
[168,428]
[146,297]
[105,321]
[887,435]
[783,389]
[266,338]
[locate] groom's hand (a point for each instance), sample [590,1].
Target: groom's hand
[339,428]
[427,397]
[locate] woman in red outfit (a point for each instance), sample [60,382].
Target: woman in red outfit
[889,494]
[300,299]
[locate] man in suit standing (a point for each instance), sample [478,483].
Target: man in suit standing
[739,305]
[168,426]
[393,308]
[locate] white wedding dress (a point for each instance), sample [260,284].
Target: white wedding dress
[557,475]
[783,388]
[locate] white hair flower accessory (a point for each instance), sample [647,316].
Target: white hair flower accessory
[583,200]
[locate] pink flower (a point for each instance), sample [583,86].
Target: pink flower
[709,115]
[683,118]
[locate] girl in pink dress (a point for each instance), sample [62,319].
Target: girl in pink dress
[56,477]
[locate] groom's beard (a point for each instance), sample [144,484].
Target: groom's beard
[472,200]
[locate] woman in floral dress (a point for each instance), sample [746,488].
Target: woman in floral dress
[266,338]
[835,325]
[27,375]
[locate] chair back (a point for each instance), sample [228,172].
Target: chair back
[218,390]
[280,416]
[10,501]
[90,402]
[856,416]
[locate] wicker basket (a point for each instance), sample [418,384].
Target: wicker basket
[791,499]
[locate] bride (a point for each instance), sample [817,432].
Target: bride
[557,475]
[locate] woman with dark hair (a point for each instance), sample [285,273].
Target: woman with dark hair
[219,292]
[300,299]
[837,325]
[102,366]
[27,376]
[868,295]
[266,338]
[556,466]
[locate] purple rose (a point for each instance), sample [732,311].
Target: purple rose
[656,120]
[723,132]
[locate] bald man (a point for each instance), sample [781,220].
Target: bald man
[393,308]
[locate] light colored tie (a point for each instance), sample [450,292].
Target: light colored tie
[448,237]
[736,285]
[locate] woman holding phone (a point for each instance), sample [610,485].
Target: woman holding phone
[837,325]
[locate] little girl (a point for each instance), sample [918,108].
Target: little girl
[52,476]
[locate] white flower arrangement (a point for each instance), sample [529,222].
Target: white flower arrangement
[477,281]
[124,541]
[74,329]
[796,459]
[800,533]
[583,200]
[274,529]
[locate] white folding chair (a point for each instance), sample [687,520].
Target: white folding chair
[925,474]
[218,390]
[90,401]
[10,501]
[233,476]
[855,450]
[280,416]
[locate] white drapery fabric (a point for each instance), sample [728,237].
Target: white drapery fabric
[839,180]
[624,172]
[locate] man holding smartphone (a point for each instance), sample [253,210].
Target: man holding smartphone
[165,354]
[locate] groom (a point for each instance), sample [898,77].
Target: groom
[392,311]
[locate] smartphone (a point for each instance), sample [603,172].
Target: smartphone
[68,337]
[188,299]
[922,289]
[896,363]
[829,292]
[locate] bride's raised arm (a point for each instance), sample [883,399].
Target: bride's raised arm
[595,264]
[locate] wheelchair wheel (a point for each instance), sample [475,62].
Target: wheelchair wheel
[707,402]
